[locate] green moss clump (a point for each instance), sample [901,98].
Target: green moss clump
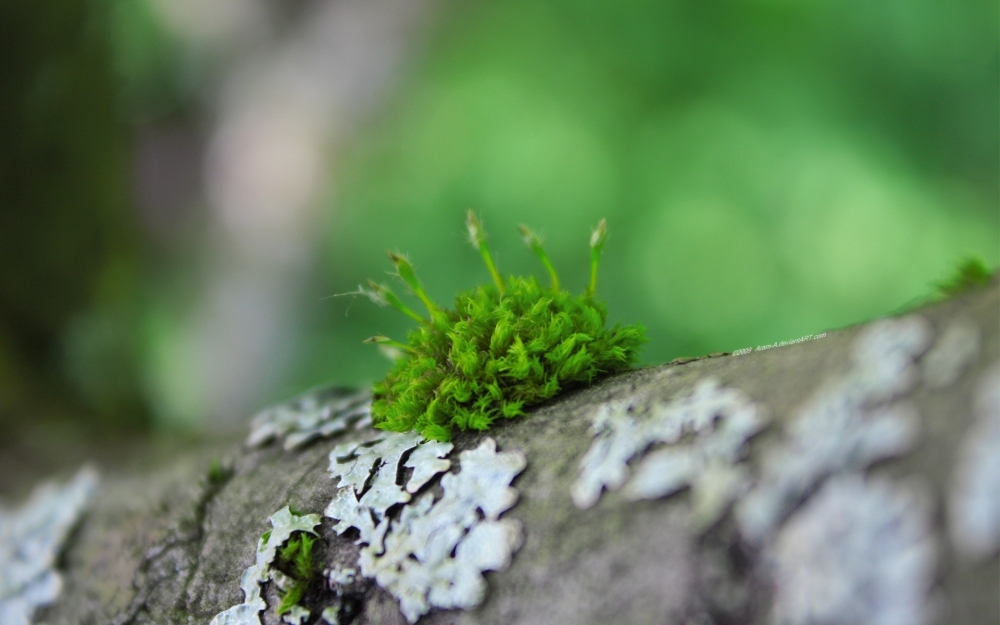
[296,560]
[504,347]
[970,273]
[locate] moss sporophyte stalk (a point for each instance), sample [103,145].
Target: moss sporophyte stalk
[504,347]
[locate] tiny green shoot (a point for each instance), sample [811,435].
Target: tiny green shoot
[218,473]
[296,560]
[970,273]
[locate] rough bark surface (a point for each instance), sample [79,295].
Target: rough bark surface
[168,546]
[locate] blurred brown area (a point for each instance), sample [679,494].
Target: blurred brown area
[69,246]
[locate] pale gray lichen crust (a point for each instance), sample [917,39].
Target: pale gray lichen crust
[857,553]
[31,537]
[353,465]
[296,615]
[718,422]
[974,496]
[283,523]
[338,579]
[411,557]
[312,415]
[846,426]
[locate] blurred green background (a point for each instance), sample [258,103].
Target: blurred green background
[181,192]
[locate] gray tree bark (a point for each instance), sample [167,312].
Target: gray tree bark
[793,537]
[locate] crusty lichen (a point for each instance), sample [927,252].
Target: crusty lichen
[434,554]
[859,552]
[354,464]
[284,524]
[846,426]
[974,497]
[31,537]
[338,579]
[956,348]
[718,422]
[315,414]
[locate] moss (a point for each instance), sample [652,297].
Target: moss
[297,561]
[503,347]
[970,273]
[218,474]
[285,556]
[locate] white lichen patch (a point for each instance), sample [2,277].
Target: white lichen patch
[882,357]
[706,433]
[367,474]
[31,537]
[427,460]
[338,579]
[283,523]
[434,554]
[312,415]
[974,497]
[330,615]
[858,553]
[846,426]
[618,436]
[297,615]
[955,349]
